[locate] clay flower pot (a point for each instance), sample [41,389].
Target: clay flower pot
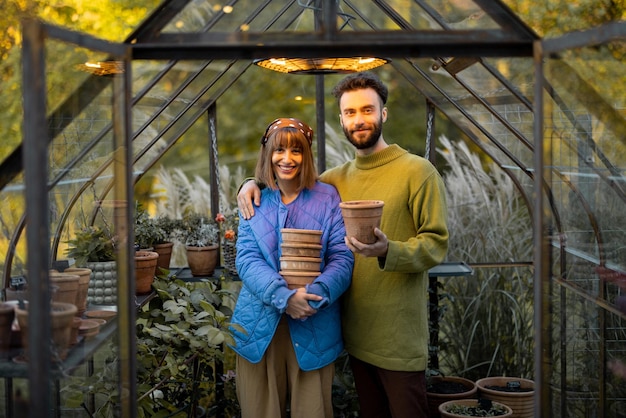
[297,279]
[447,388]
[202,260]
[83,287]
[465,408]
[7,315]
[61,321]
[165,255]
[145,269]
[296,249]
[88,328]
[74,334]
[515,392]
[302,236]
[361,217]
[300,264]
[105,314]
[67,285]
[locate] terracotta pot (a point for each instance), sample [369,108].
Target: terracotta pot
[145,268]
[300,249]
[361,217]
[471,403]
[67,286]
[297,279]
[75,326]
[165,255]
[521,402]
[88,328]
[7,315]
[467,390]
[202,260]
[103,283]
[83,287]
[106,314]
[61,319]
[300,264]
[308,236]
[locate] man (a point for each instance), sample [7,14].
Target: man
[384,312]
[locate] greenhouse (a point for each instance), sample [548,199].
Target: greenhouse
[115,146]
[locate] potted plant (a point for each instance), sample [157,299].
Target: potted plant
[199,234]
[474,408]
[94,248]
[163,243]
[154,234]
[441,389]
[91,244]
[145,270]
[515,392]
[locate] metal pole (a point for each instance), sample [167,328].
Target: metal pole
[35,160]
[123,192]
[542,235]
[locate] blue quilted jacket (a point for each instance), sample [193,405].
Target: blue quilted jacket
[263,298]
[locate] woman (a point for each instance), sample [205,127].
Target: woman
[287,340]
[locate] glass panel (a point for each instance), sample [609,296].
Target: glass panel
[584,129]
[462,14]
[282,16]
[85,179]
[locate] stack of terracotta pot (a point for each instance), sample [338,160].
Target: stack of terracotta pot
[300,261]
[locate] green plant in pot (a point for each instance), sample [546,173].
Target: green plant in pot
[91,244]
[474,408]
[199,234]
[94,248]
[147,232]
[164,244]
[155,234]
[440,389]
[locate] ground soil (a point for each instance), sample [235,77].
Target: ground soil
[446,387]
[508,388]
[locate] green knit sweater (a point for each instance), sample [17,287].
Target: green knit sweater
[385,320]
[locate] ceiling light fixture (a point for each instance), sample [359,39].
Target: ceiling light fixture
[321,65]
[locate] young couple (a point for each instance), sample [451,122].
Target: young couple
[287,340]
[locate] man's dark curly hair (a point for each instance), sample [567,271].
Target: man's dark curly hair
[360,81]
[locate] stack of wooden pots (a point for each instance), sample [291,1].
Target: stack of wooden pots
[300,261]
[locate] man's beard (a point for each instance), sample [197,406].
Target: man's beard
[370,140]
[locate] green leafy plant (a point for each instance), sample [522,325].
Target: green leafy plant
[197,230]
[150,231]
[181,334]
[345,399]
[488,326]
[91,244]
[180,337]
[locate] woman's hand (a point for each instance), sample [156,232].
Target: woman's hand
[298,304]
